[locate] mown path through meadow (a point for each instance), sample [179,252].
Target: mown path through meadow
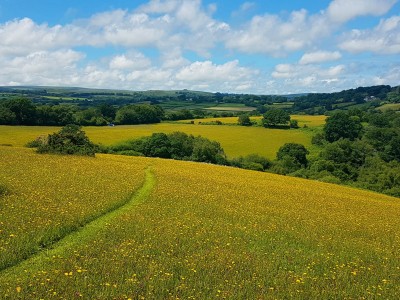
[87,231]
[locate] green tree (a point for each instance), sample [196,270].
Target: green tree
[205,150]
[295,151]
[158,145]
[347,157]
[341,125]
[7,117]
[107,111]
[65,114]
[244,120]
[275,117]
[23,109]
[139,114]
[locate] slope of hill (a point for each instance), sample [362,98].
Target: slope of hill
[203,232]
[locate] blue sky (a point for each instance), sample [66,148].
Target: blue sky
[261,47]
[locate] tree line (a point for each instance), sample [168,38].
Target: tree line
[357,148]
[22,111]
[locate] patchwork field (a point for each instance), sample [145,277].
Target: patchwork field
[236,140]
[310,121]
[191,231]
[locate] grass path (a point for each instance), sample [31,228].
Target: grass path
[87,231]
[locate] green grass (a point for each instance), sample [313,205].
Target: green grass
[231,108]
[62,98]
[281,105]
[389,106]
[205,232]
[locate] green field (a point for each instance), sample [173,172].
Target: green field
[141,228]
[236,140]
[390,106]
[236,107]
[310,121]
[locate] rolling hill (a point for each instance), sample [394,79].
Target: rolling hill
[115,227]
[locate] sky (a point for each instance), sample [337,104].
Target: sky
[257,47]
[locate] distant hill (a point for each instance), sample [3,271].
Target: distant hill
[309,103]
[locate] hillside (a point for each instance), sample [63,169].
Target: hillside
[190,230]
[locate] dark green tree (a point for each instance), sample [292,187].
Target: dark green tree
[139,114]
[244,120]
[23,109]
[347,157]
[7,117]
[295,151]
[205,150]
[107,111]
[275,117]
[341,125]
[158,145]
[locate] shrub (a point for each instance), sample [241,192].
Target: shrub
[39,141]
[294,124]
[69,140]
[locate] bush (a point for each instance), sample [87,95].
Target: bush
[39,141]
[294,124]
[69,140]
[252,162]
[176,145]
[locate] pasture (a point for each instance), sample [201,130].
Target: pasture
[389,106]
[310,121]
[236,140]
[235,107]
[200,232]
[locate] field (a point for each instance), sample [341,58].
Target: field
[235,140]
[231,107]
[390,106]
[191,231]
[310,121]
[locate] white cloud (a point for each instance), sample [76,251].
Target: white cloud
[319,57]
[384,38]
[274,35]
[306,73]
[390,75]
[33,53]
[40,67]
[159,6]
[207,71]
[20,37]
[342,11]
[131,61]
[269,34]
[150,75]
[245,7]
